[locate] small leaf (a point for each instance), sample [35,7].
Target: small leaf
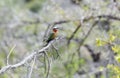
[117,58]
[100,42]
[115,49]
[112,38]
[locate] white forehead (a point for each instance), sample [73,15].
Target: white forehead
[55,27]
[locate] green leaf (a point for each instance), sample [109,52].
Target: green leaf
[116,49]
[100,42]
[117,58]
[112,38]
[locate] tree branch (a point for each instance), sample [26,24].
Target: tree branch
[73,34]
[25,60]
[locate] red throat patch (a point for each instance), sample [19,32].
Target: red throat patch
[55,30]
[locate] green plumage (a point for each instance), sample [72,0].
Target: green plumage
[51,37]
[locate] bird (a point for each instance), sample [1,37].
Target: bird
[52,35]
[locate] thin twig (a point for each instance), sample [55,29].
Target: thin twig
[83,40]
[10,54]
[72,36]
[29,76]
[45,62]
[46,32]
[58,55]
[109,17]
[47,75]
[86,36]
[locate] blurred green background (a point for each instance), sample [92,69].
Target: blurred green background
[23,24]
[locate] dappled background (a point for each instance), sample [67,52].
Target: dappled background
[88,40]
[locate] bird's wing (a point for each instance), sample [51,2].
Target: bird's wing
[51,37]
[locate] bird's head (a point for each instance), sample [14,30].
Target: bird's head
[55,29]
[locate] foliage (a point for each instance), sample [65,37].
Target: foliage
[114,70]
[26,23]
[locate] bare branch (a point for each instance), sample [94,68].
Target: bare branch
[25,60]
[73,34]
[88,33]
[109,17]
[58,55]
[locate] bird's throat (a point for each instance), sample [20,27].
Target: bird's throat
[55,30]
